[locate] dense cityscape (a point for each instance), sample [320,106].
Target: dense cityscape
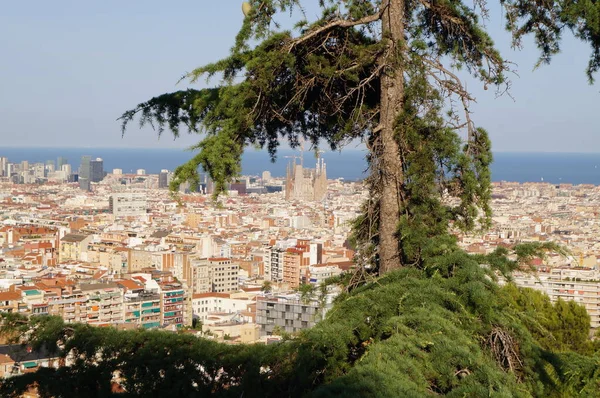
[115,249]
[363,199]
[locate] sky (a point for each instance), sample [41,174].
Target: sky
[70,68]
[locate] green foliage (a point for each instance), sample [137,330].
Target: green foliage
[266,287]
[547,21]
[410,333]
[560,327]
[306,291]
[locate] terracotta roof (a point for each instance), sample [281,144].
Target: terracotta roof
[9,296]
[129,284]
[251,289]
[99,274]
[211,294]
[5,359]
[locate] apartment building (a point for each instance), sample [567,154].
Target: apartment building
[128,204]
[173,306]
[287,313]
[142,309]
[216,274]
[292,261]
[67,302]
[274,264]
[104,303]
[224,275]
[72,245]
[204,304]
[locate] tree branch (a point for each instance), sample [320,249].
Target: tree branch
[338,23]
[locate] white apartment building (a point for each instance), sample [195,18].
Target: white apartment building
[128,204]
[274,264]
[581,285]
[318,274]
[206,303]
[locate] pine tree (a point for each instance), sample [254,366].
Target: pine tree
[383,72]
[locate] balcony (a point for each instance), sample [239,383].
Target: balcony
[172,314]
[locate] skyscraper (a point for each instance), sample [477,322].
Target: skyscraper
[60,162]
[66,168]
[50,167]
[96,170]
[163,179]
[39,170]
[85,173]
[3,167]
[24,178]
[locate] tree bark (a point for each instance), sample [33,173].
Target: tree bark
[390,164]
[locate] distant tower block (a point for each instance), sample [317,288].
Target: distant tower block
[306,184]
[164,179]
[66,168]
[117,172]
[96,170]
[141,172]
[266,176]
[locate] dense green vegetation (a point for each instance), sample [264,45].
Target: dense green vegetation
[446,329]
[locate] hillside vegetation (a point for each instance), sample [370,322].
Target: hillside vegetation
[446,329]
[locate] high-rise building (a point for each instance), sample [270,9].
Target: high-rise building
[60,162]
[50,167]
[85,173]
[96,170]
[11,168]
[39,170]
[219,275]
[24,177]
[306,184]
[66,168]
[3,167]
[239,186]
[140,172]
[266,177]
[274,264]
[163,179]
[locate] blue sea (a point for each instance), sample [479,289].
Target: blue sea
[574,168]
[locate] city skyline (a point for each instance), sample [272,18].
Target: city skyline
[122,56]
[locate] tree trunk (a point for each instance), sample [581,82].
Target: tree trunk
[392,93]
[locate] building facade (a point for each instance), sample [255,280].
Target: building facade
[285,314]
[128,204]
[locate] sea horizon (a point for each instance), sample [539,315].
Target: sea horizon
[349,164]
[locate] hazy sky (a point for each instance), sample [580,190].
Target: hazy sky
[68,69]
